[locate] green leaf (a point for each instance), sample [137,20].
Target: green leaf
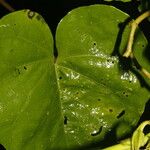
[29,105]
[139,139]
[87,95]
[99,92]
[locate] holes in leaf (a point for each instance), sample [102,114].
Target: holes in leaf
[143,46]
[110,61]
[2,147]
[99,99]
[95,133]
[146,129]
[125,94]
[94,43]
[25,68]
[18,71]
[110,110]
[121,114]
[65,120]
[60,78]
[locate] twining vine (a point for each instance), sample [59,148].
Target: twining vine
[129,50]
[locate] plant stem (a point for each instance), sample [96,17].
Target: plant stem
[134,25]
[145,72]
[129,51]
[7,6]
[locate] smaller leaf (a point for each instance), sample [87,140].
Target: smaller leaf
[139,139]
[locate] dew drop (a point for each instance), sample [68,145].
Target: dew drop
[97,132]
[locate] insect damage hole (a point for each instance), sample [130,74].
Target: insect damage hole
[60,78]
[94,43]
[121,114]
[65,120]
[77,93]
[99,99]
[25,68]
[110,110]
[108,60]
[18,71]
[125,94]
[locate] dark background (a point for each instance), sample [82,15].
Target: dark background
[54,10]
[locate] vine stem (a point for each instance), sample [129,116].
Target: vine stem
[129,51]
[7,6]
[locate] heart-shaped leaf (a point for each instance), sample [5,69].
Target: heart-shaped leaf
[99,90]
[85,96]
[29,97]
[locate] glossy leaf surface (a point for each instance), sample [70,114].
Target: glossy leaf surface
[27,99]
[87,94]
[94,80]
